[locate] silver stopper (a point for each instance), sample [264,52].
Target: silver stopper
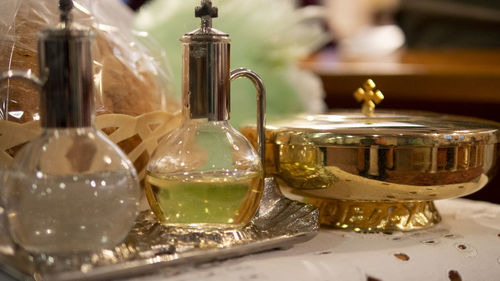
[206,72]
[65,62]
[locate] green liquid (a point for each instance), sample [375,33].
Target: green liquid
[212,200]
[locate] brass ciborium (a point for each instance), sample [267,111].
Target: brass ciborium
[381,172]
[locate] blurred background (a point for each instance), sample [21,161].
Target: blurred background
[434,55]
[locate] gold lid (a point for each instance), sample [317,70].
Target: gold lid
[394,128]
[397,128]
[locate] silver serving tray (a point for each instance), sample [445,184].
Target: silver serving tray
[279,224]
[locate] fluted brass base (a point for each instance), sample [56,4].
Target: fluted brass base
[376,216]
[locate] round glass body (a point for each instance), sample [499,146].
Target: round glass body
[204,175]
[70,190]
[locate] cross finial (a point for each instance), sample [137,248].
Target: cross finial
[206,12]
[65,7]
[370,96]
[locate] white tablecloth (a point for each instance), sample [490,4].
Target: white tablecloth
[464,246]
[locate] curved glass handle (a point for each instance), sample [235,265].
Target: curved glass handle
[261,107]
[22,75]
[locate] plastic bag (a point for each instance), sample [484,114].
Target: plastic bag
[129,78]
[134,96]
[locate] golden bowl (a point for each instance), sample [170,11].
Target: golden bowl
[381,173]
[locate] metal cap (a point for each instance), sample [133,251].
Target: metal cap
[65,62]
[206,68]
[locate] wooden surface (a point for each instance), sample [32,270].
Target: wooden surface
[463,82]
[457,76]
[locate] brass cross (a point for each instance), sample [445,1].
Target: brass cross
[370,96]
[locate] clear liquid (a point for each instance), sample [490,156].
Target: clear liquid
[69,214]
[205,199]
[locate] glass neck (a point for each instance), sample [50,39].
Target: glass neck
[189,117]
[187,120]
[69,130]
[67,122]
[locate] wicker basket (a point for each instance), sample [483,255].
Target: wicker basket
[136,136]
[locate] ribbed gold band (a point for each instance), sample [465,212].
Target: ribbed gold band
[375,216]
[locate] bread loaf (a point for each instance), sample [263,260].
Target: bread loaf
[124,80]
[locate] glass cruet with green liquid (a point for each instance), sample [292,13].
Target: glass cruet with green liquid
[206,174]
